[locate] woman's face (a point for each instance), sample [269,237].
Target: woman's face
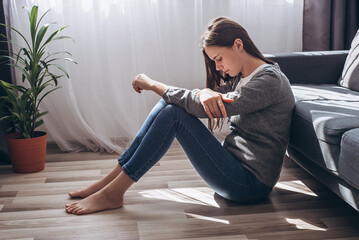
[227,59]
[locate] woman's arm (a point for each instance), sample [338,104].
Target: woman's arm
[260,92]
[211,101]
[142,82]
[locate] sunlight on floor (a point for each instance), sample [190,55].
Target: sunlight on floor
[295,186]
[200,196]
[300,224]
[207,218]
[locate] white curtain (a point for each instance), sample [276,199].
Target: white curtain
[117,39]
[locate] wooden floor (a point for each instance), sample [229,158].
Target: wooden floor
[170,202]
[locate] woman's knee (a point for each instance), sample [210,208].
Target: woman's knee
[172,112]
[173,109]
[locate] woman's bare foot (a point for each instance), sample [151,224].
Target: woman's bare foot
[96,202]
[109,197]
[95,187]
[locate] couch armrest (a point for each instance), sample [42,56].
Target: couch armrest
[320,67]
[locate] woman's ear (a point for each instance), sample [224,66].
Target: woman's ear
[238,44]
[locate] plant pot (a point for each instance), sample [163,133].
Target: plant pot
[27,155]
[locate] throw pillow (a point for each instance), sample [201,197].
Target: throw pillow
[350,74]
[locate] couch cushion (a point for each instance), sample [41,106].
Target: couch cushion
[348,168]
[321,115]
[350,73]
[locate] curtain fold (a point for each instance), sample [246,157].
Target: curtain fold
[117,39]
[329,24]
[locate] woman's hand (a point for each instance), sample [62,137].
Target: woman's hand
[143,82]
[213,103]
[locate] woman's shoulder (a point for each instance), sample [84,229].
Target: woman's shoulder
[272,73]
[270,78]
[270,69]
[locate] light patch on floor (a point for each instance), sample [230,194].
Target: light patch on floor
[183,195]
[295,186]
[207,218]
[300,224]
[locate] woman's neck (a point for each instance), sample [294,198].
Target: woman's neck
[252,64]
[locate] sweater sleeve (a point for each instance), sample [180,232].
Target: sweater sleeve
[186,99]
[260,92]
[225,88]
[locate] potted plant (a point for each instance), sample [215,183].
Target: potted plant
[39,71]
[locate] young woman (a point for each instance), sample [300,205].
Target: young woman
[242,85]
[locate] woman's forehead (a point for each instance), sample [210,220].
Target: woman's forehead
[213,51]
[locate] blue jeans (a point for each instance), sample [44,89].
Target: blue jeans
[219,169]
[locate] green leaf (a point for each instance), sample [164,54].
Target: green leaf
[33,20]
[47,94]
[4,36]
[13,43]
[55,77]
[63,37]
[12,86]
[23,70]
[4,118]
[12,98]
[22,36]
[39,123]
[70,60]
[15,114]
[26,134]
[43,15]
[53,35]
[56,53]
[18,55]
[42,76]
[12,58]
[40,36]
[52,60]
[39,115]
[6,84]
[61,69]
[41,88]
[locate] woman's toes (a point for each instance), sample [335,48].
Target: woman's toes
[80,212]
[72,194]
[68,205]
[71,207]
[76,194]
[74,210]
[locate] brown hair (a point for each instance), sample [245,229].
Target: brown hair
[223,32]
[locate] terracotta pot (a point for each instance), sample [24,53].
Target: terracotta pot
[27,155]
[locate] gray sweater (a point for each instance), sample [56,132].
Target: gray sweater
[260,119]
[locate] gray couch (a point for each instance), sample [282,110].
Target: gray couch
[325,125]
